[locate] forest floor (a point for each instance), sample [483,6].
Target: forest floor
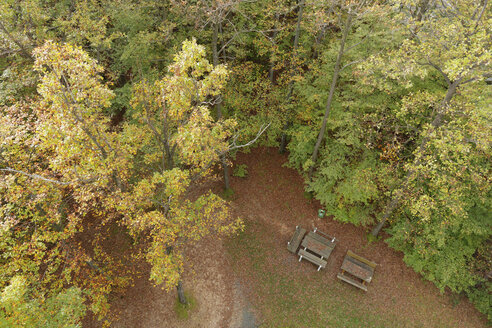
[251,280]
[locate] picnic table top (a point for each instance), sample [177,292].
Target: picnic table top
[318,244]
[357,268]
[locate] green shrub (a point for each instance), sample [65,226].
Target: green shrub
[482,299]
[241,171]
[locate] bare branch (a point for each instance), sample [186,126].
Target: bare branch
[364,38]
[234,146]
[481,14]
[470,80]
[352,63]
[25,52]
[36,176]
[448,81]
[4,52]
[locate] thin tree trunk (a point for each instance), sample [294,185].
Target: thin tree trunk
[298,26]
[334,80]
[398,194]
[179,286]
[218,108]
[283,139]
[271,71]
[181,296]
[23,50]
[225,166]
[215,58]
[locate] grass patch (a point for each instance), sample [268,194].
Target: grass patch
[371,238]
[227,194]
[308,195]
[183,311]
[297,299]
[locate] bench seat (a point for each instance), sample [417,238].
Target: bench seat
[296,239]
[352,281]
[312,258]
[361,259]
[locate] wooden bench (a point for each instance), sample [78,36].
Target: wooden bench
[351,281]
[361,259]
[357,270]
[296,239]
[312,258]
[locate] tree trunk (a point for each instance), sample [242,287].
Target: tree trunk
[398,194]
[218,108]
[215,58]
[225,167]
[336,72]
[23,50]
[179,286]
[181,296]
[271,71]
[283,139]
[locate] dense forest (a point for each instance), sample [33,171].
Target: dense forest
[111,112]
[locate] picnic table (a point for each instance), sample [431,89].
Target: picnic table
[318,244]
[316,248]
[357,270]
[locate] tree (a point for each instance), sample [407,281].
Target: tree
[60,166]
[229,23]
[451,39]
[442,195]
[352,10]
[174,134]
[65,309]
[283,139]
[351,177]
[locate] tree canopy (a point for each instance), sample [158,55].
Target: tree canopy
[114,114]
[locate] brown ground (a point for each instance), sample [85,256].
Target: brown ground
[274,194]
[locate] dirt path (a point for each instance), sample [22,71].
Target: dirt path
[220,300]
[211,283]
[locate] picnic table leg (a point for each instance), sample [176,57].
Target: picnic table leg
[300,258]
[319,267]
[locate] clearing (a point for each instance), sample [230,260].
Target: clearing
[252,280]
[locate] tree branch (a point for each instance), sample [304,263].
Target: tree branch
[448,81]
[352,63]
[233,145]
[364,38]
[481,14]
[23,50]
[36,176]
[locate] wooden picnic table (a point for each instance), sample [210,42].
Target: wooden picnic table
[318,244]
[357,269]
